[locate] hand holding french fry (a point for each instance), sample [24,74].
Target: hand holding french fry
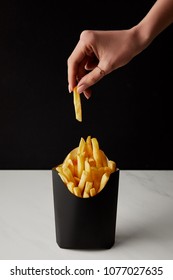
[86,169]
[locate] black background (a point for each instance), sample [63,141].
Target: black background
[130,111]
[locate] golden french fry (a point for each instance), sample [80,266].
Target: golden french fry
[70,186]
[88,186]
[103,181]
[63,178]
[77,105]
[112,165]
[89,150]
[77,191]
[103,158]
[81,147]
[69,163]
[82,181]
[92,192]
[95,178]
[80,164]
[66,159]
[87,165]
[85,195]
[59,168]
[96,152]
[88,169]
[68,174]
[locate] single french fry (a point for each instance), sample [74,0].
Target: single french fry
[89,150]
[96,152]
[103,158]
[85,195]
[95,178]
[69,163]
[87,165]
[77,104]
[81,147]
[70,186]
[112,165]
[68,174]
[80,164]
[77,191]
[92,192]
[88,186]
[66,158]
[59,168]
[88,169]
[82,181]
[63,178]
[103,181]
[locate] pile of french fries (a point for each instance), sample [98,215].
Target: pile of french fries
[86,169]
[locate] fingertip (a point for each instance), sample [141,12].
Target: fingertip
[87,94]
[69,88]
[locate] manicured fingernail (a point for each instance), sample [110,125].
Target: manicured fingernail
[87,95]
[69,89]
[81,88]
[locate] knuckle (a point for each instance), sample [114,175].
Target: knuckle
[87,36]
[94,79]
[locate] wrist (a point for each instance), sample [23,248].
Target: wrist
[142,37]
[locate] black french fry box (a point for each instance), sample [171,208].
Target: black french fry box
[85,223]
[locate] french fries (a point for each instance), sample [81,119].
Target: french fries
[77,105]
[86,169]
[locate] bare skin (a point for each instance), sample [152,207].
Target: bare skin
[98,52]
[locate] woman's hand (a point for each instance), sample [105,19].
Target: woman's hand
[100,52]
[97,54]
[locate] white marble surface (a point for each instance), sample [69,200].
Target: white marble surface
[144,218]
